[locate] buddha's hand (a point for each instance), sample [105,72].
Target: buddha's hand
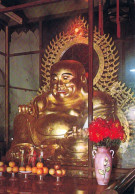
[77,132]
[24,109]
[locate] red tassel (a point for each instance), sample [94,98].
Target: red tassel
[118,20]
[100,17]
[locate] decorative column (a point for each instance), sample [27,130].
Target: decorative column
[90,82]
[6,87]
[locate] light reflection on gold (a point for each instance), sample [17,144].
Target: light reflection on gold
[76,30]
[60,130]
[81,192]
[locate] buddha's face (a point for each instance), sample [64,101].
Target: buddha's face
[64,83]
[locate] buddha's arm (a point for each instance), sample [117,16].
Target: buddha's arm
[103,105]
[39,105]
[36,107]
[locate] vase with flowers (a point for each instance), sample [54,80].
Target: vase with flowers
[105,134]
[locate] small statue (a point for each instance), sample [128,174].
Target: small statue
[22,159]
[41,155]
[32,156]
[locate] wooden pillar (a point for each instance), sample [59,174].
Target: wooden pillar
[118,19]
[40,49]
[100,17]
[90,82]
[6,87]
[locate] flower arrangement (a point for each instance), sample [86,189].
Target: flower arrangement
[107,133]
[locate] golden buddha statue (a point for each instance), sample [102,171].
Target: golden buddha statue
[49,120]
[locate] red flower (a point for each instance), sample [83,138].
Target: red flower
[103,131]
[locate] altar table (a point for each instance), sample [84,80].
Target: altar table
[35,185]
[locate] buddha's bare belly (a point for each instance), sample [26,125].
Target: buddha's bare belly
[56,125]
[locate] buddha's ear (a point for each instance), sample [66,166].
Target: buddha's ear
[83,79]
[84,82]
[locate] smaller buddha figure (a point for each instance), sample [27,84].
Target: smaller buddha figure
[32,156]
[22,158]
[41,155]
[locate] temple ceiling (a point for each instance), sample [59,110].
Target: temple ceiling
[31,10]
